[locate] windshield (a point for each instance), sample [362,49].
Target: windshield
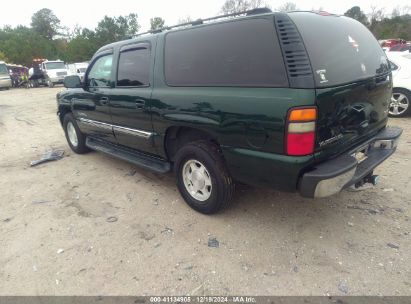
[55,66]
[3,69]
[341,50]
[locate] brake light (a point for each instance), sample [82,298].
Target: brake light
[300,132]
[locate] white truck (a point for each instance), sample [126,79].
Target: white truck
[47,72]
[78,68]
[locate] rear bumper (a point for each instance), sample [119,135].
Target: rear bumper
[332,176]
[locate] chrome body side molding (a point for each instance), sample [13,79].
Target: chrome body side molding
[106,126]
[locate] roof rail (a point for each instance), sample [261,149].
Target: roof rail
[255,11]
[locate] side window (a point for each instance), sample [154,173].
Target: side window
[100,73]
[226,54]
[134,68]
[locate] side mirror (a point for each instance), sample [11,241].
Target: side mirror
[72,82]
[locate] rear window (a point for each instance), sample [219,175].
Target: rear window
[341,50]
[3,69]
[241,53]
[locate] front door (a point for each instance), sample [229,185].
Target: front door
[91,104]
[130,98]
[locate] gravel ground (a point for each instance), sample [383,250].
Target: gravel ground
[94,225]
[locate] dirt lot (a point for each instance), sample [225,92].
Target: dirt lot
[56,237]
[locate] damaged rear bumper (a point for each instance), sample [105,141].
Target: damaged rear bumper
[332,176]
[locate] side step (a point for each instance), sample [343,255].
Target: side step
[137,158]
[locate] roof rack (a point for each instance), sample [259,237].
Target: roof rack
[255,11]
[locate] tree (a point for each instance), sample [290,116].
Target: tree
[185,19]
[45,23]
[356,13]
[287,7]
[111,29]
[156,23]
[22,44]
[236,6]
[82,46]
[3,56]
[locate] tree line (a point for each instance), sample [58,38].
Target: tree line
[46,37]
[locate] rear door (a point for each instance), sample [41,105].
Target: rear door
[130,99]
[352,79]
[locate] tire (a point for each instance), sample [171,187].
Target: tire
[400,103]
[207,191]
[78,145]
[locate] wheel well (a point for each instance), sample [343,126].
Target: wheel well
[176,137]
[401,89]
[62,112]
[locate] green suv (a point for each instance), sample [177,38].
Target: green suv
[293,101]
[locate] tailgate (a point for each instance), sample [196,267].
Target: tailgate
[352,80]
[350,114]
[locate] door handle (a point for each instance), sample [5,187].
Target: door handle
[104,100]
[140,103]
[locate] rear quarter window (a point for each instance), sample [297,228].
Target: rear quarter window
[237,53]
[341,49]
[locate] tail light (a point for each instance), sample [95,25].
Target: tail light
[300,132]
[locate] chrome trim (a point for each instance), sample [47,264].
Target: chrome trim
[133,132]
[328,187]
[106,126]
[98,124]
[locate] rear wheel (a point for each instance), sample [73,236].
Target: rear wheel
[75,139]
[202,177]
[400,103]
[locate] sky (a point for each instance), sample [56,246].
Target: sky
[87,13]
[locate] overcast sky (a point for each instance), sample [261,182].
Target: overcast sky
[87,13]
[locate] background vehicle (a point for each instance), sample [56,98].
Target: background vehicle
[401,48]
[47,72]
[401,93]
[5,79]
[19,75]
[78,68]
[217,104]
[387,44]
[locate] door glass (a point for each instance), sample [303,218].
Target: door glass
[134,68]
[100,73]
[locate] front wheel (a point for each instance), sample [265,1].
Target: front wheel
[202,177]
[400,103]
[75,139]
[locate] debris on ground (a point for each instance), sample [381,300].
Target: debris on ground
[213,242]
[111,219]
[6,220]
[394,246]
[342,286]
[60,251]
[295,269]
[388,190]
[167,231]
[40,202]
[48,156]
[146,235]
[131,173]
